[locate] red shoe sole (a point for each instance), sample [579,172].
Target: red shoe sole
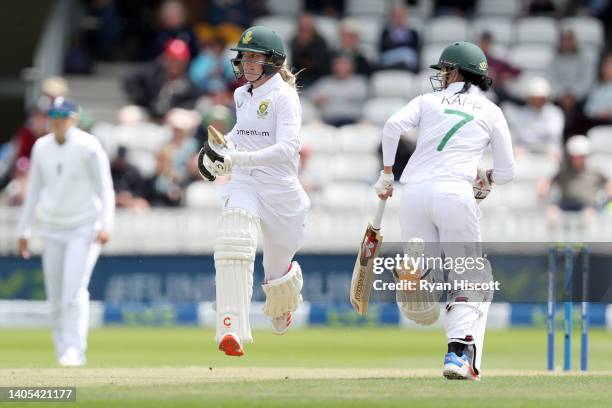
[230,346]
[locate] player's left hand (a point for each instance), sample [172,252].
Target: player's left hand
[482,184]
[102,237]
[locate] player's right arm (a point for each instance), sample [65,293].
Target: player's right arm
[24,228]
[501,145]
[399,123]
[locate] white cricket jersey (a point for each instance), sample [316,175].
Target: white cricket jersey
[454,130]
[268,120]
[71,184]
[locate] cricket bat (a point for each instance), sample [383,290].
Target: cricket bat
[363,275]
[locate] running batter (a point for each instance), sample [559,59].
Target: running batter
[442,181]
[261,152]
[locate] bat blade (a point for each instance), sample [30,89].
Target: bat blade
[363,273]
[215,136]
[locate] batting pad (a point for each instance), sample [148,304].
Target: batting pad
[284,294]
[420,306]
[234,258]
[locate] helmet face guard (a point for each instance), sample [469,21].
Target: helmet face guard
[271,65]
[439,81]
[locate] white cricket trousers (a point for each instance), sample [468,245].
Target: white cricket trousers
[68,259]
[446,212]
[281,209]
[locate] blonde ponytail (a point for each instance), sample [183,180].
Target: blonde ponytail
[288,76]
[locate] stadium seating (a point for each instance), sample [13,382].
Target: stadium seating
[430,54]
[284,7]
[537,30]
[345,196]
[310,112]
[202,194]
[445,30]
[359,138]
[499,8]
[533,57]
[378,110]
[355,167]
[389,84]
[588,30]
[500,28]
[601,140]
[328,28]
[320,137]
[284,26]
[369,29]
[601,163]
[372,9]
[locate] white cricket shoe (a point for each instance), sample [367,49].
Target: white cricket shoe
[72,358]
[281,324]
[458,368]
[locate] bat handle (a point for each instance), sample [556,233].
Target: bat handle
[379,214]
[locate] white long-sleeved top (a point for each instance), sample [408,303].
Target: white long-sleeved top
[70,183]
[454,130]
[268,124]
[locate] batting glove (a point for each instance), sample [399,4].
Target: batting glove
[482,184]
[384,183]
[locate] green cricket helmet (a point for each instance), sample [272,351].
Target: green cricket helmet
[464,56]
[261,40]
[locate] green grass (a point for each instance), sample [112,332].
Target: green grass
[171,367]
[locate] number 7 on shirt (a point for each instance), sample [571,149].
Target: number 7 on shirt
[466,118]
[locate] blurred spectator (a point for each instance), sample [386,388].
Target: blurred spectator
[183,144]
[36,126]
[164,84]
[17,187]
[163,189]
[349,46]
[54,86]
[499,70]
[579,188]
[127,181]
[211,71]
[309,51]
[340,96]
[20,145]
[537,126]
[572,72]
[131,114]
[599,101]
[173,24]
[399,44]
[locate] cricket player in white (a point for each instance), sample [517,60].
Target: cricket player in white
[71,184]
[262,155]
[442,181]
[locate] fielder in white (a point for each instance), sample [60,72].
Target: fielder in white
[442,181]
[70,183]
[262,153]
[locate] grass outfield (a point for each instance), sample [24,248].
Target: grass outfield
[171,367]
